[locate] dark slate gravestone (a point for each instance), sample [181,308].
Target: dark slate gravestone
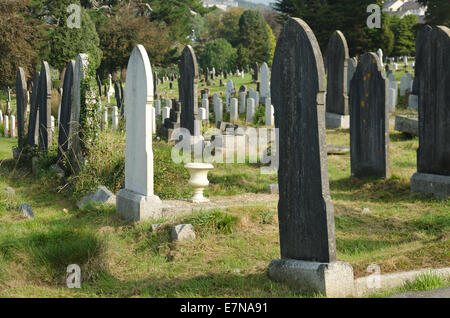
[99,84]
[118,95]
[305,210]
[33,121]
[369,121]
[255,72]
[64,132]
[45,107]
[122,99]
[337,64]
[421,39]
[352,64]
[21,102]
[188,89]
[433,155]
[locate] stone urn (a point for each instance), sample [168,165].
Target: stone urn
[199,180]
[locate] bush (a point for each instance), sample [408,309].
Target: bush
[260,116]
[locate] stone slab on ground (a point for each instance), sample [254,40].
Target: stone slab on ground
[337,150]
[183,232]
[436,293]
[173,208]
[103,195]
[437,185]
[337,121]
[409,125]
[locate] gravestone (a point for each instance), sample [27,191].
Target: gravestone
[45,107]
[33,126]
[117,94]
[255,72]
[433,154]
[115,118]
[269,117]
[251,109]
[6,126]
[234,110]
[305,210]
[380,56]
[337,115]
[64,133]
[188,89]
[352,64]
[228,93]
[369,120]
[242,102]
[21,104]
[137,201]
[265,80]
[422,36]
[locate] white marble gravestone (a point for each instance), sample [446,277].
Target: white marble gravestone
[234,110]
[228,92]
[250,110]
[265,79]
[137,201]
[115,118]
[269,112]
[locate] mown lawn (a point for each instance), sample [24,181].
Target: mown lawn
[401,231]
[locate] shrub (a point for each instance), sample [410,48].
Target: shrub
[260,116]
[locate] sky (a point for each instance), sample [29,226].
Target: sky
[262,1]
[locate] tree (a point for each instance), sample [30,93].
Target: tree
[438,12]
[20,36]
[120,34]
[273,20]
[326,16]
[405,35]
[66,43]
[381,38]
[254,43]
[273,44]
[218,54]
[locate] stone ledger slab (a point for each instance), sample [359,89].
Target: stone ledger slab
[437,185]
[333,279]
[333,120]
[407,125]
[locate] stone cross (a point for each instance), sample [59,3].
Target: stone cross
[64,134]
[305,209]
[369,119]
[33,121]
[137,201]
[188,89]
[337,66]
[21,104]
[45,107]
[433,154]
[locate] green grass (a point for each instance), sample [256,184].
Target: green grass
[403,230]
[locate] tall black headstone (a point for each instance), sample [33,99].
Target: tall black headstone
[369,119]
[64,132]
[305,210]
[45,107]
[188,89]
[337,64]
[33,121]
[433,155]
[21,104]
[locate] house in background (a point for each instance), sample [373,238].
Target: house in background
[403,8]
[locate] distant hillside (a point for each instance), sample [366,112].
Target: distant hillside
[251,5]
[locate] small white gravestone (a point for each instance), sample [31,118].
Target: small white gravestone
[270,120]
[218,110]
[228,92]
[111,90]
[255,95]
[137,201]
[392,99]
[265,79]
[1,117]
[234,110]
[165,113]
[6,126]
[13,127]
[169,103]
[158,108]
[242,101]
[250,110]
[115,118]
[413,102]
[205,105]
[202,114]
[404,84]
[380,55]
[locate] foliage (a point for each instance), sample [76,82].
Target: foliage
[260,115]
[66,43]
[382,37]
[254,39]
[438,12]
[19,40]
[218,54]
[405,35]
[273,44]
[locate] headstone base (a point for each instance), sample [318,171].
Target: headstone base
[333,120]
[437,185]
[132,206]
[409,125]
[330,279]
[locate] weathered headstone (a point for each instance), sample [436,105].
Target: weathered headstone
[21,104]
[234,110]
[242,102]
[369,120]
[188,89]
[64,134]
[45,107]
[433,155]
[255,72]
[336,98]
[269,116]
[115,118]
[352,64]
[265,80]
[137,201]
[305,209]
[228,93]
[33,121]
[421,41]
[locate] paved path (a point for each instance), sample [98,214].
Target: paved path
[437,293]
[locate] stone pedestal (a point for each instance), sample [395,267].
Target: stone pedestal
[330,279]
[333,120]
[132,206]
[437,185]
